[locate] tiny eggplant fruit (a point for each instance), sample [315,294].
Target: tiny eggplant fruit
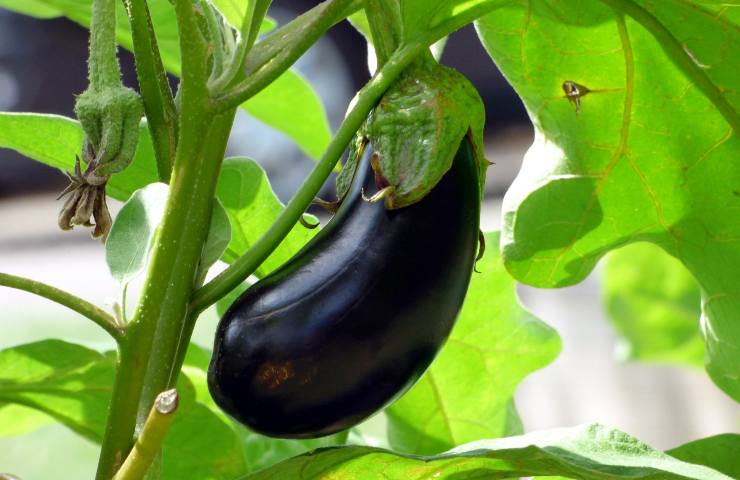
[354,318]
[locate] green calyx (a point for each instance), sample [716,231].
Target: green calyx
[110,118]
[416,130]
[109,114]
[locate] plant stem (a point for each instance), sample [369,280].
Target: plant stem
[384,17]
[159,104]
[151,438]
[245,265]
[675,51]
[87,309]
[253,16]
[157,324]
[103,69]
[276,53]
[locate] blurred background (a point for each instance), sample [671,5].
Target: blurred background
[42,67]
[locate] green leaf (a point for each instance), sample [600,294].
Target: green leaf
[34,8]
[219,236]
[586,452]
[18,420]
[290,104]
[652,155]
[56,141]
[422,16]
[655,304]
[233,12]
[69,382]
[467,393]
[201,445]
[132,234]
[719,452]
[245,193]
[73,384]
[132,237]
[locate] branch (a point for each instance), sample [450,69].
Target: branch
[159,104]
[276,53]
[87,309]
[245,265]
[152,435]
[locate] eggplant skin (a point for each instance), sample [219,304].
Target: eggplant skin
[355,317]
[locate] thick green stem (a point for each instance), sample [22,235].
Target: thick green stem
[103,69]
[245,265]
[276,53]
[159,104]
[384,17]
[171,275]
[100,317]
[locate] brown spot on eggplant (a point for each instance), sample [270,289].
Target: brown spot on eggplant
[358,314]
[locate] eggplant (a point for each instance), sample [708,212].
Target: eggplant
[356,316]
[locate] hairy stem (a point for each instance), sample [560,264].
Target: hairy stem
[159,104]
[103,69]
[87,309]
[245,265]
[157,323]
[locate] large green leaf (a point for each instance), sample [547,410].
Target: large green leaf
[73,384]
[655,304]
[69,382]
[56,140]
[587,452]
[247,196]
[290,104]
[467,393]
[719,452]
[651,156]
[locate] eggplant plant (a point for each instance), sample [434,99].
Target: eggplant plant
[399,303]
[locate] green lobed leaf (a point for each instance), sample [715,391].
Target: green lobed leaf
[252,206]
[651,156]
[590,452]
[719,452]
[73,384]
[654,303]
[290,104]
[56,141]
[467,393]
